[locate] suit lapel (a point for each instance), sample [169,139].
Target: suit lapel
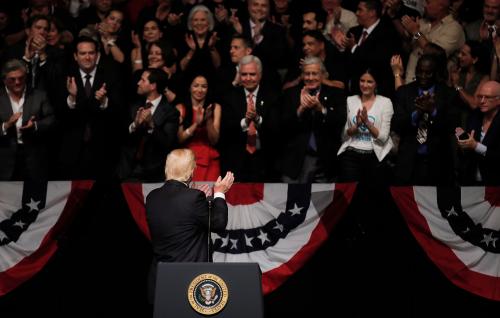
[6,109]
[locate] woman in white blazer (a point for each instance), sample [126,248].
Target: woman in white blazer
[366,140]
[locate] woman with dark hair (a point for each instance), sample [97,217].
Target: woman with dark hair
[366,140]
[471,71]
[160,55]
[199,129]
[148,33]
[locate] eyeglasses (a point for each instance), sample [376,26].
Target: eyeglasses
[487,98]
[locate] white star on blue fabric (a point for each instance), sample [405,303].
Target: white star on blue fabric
[33,205]
[487,239]
[3,236]
[296,210]
[224,240]
[20,224]
[451,212]
[279,226]
[248,241]
[263,237]
[234,244]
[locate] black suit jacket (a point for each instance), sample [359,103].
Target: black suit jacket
[90,143]
[34,141]
[375,53]
[327,129]
[440,135]
[178,222]
[489,164]
[233,139]
[155,145]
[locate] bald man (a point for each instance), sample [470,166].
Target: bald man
[480,163]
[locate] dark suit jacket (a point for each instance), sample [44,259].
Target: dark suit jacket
[233,139]
[440,135]
[156,145]
[327,129]
[90,143]
[375,53]
[178,222]
[35,141]
[489,164]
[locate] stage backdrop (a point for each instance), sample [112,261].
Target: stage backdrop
[278,226]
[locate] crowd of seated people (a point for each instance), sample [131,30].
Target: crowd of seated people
[376,91]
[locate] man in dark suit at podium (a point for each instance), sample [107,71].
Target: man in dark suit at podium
[178,216]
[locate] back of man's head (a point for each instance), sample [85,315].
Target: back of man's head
[180,165]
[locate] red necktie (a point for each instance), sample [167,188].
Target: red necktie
[252,131]
[363,37]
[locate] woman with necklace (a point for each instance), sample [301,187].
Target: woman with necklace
[199,129]
[365,140]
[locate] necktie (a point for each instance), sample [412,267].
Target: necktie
[252,131]
[422,129]
[87,85]
[363,38]
[140,148]
[491,30]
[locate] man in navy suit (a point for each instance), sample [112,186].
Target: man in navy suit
[26,117]
[178,216]
[152,134]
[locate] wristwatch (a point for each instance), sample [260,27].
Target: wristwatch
[458,88]
[417,35]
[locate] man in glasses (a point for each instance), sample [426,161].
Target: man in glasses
[26,117]
[481,142]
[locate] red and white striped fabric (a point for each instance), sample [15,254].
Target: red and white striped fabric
[32,215]
[459,231]
[278,226]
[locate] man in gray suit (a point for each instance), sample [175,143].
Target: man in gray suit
[26,118]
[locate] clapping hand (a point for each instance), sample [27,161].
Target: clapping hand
[223,185]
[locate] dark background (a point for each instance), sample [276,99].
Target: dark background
[371,266]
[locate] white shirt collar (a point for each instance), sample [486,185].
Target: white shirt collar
[155,103]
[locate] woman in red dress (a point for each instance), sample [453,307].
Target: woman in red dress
[199,129]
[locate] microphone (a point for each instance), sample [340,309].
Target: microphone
[210,200]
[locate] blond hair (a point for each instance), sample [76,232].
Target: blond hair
[180,165]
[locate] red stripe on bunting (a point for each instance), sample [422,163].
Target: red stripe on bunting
[135,200]
[492,195]
[440,253]
[33,263]
[342,197]
[245,193]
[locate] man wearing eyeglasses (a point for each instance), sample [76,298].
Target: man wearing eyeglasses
[26,117]
[481,142]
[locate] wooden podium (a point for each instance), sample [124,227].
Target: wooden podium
[219,290]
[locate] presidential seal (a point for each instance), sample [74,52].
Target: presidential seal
[207,294]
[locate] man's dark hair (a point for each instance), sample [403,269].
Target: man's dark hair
[246,41]
[316,34]
[319,13]
[374,5]
[158,77]
[85,39]
[32,20]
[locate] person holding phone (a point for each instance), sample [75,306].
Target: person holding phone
[480,143]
